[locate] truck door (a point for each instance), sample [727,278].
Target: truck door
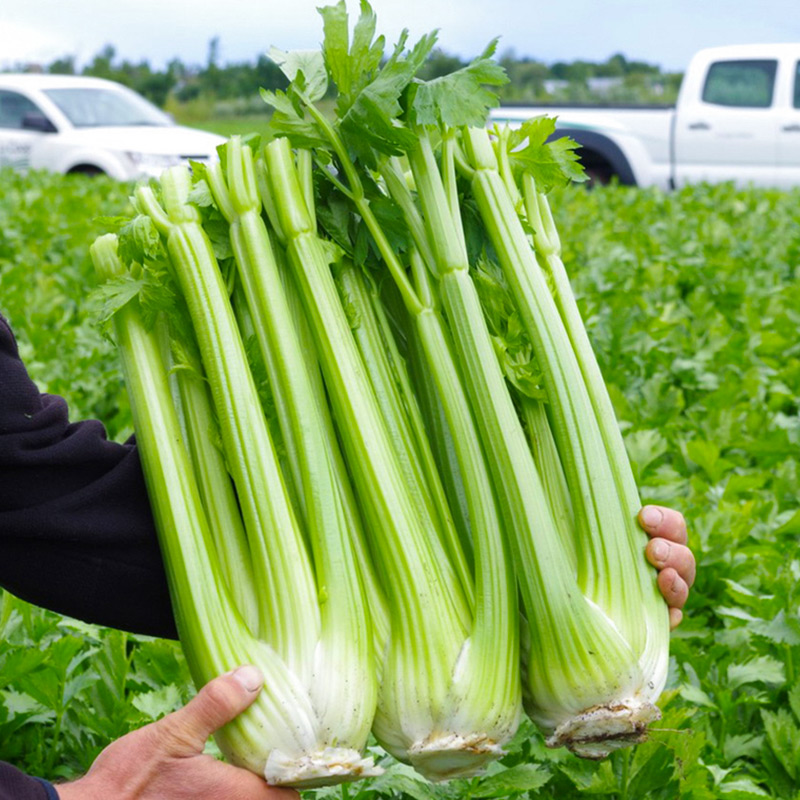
[729,132]
[788,173]
[17,135]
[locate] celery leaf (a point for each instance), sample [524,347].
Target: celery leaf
[460,98]
[552,162]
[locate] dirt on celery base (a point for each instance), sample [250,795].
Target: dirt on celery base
[453,756]
[324,768]
[598,731]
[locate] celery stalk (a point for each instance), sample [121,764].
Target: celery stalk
[214,636]
[322,636]
[612,575]
[487,689]
[427,706]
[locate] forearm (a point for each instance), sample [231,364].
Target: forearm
[76,531]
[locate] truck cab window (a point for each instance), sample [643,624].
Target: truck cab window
[743,84]
[13,108]
[797,85]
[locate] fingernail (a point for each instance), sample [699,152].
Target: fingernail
[250,677]
[651,516]
[660,550]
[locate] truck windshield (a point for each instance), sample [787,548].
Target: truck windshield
[98,107]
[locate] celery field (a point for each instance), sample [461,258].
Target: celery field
[692,302]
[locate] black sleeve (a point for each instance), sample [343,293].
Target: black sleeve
[15,785]
[76,531]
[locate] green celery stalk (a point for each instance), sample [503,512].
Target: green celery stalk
[372,586]
[612,574]
[214,635]
[344,662]
[320,649]
[428,666]
[390,381]
[489,708]
[217,494]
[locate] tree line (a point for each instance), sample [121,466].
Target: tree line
[234,86]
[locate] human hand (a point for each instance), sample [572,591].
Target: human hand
[165,760]
[668,553]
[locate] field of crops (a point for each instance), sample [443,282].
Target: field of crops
[692,300]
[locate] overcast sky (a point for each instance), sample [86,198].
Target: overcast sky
[663,32]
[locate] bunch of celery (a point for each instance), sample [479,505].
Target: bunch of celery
[364,395]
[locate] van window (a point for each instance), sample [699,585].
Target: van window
[742,84]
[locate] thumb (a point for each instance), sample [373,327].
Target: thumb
[216,704]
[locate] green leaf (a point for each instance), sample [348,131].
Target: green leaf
[400,779]
[741,745]
[790,525]
[718,773]
[108,299]
[139,241]
[19,662]
[781,629]
[159,702]
[644,447]
[742,789]
[706,455]
[551,163]
[764,669]
[305,69]
[461,98]
[289,120]
[200,195]
[521,778]
[794,699]
[350,68]
[695,695]
[372,119]
[784,739]
[591,778]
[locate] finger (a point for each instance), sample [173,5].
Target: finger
[664,522]
[673,588]
[186,731]
[675,617]
[662,554]
[226,777]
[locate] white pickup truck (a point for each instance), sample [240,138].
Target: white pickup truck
[69,124]
[737,119]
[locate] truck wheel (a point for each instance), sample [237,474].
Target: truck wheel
[598,169]
[598,176]
[86,169]
[601,157]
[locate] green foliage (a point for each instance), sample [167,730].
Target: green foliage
[691,300]
[47,223]
[67,689]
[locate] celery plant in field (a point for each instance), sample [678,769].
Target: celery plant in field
[449,692]
[559,474]
[311,633]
